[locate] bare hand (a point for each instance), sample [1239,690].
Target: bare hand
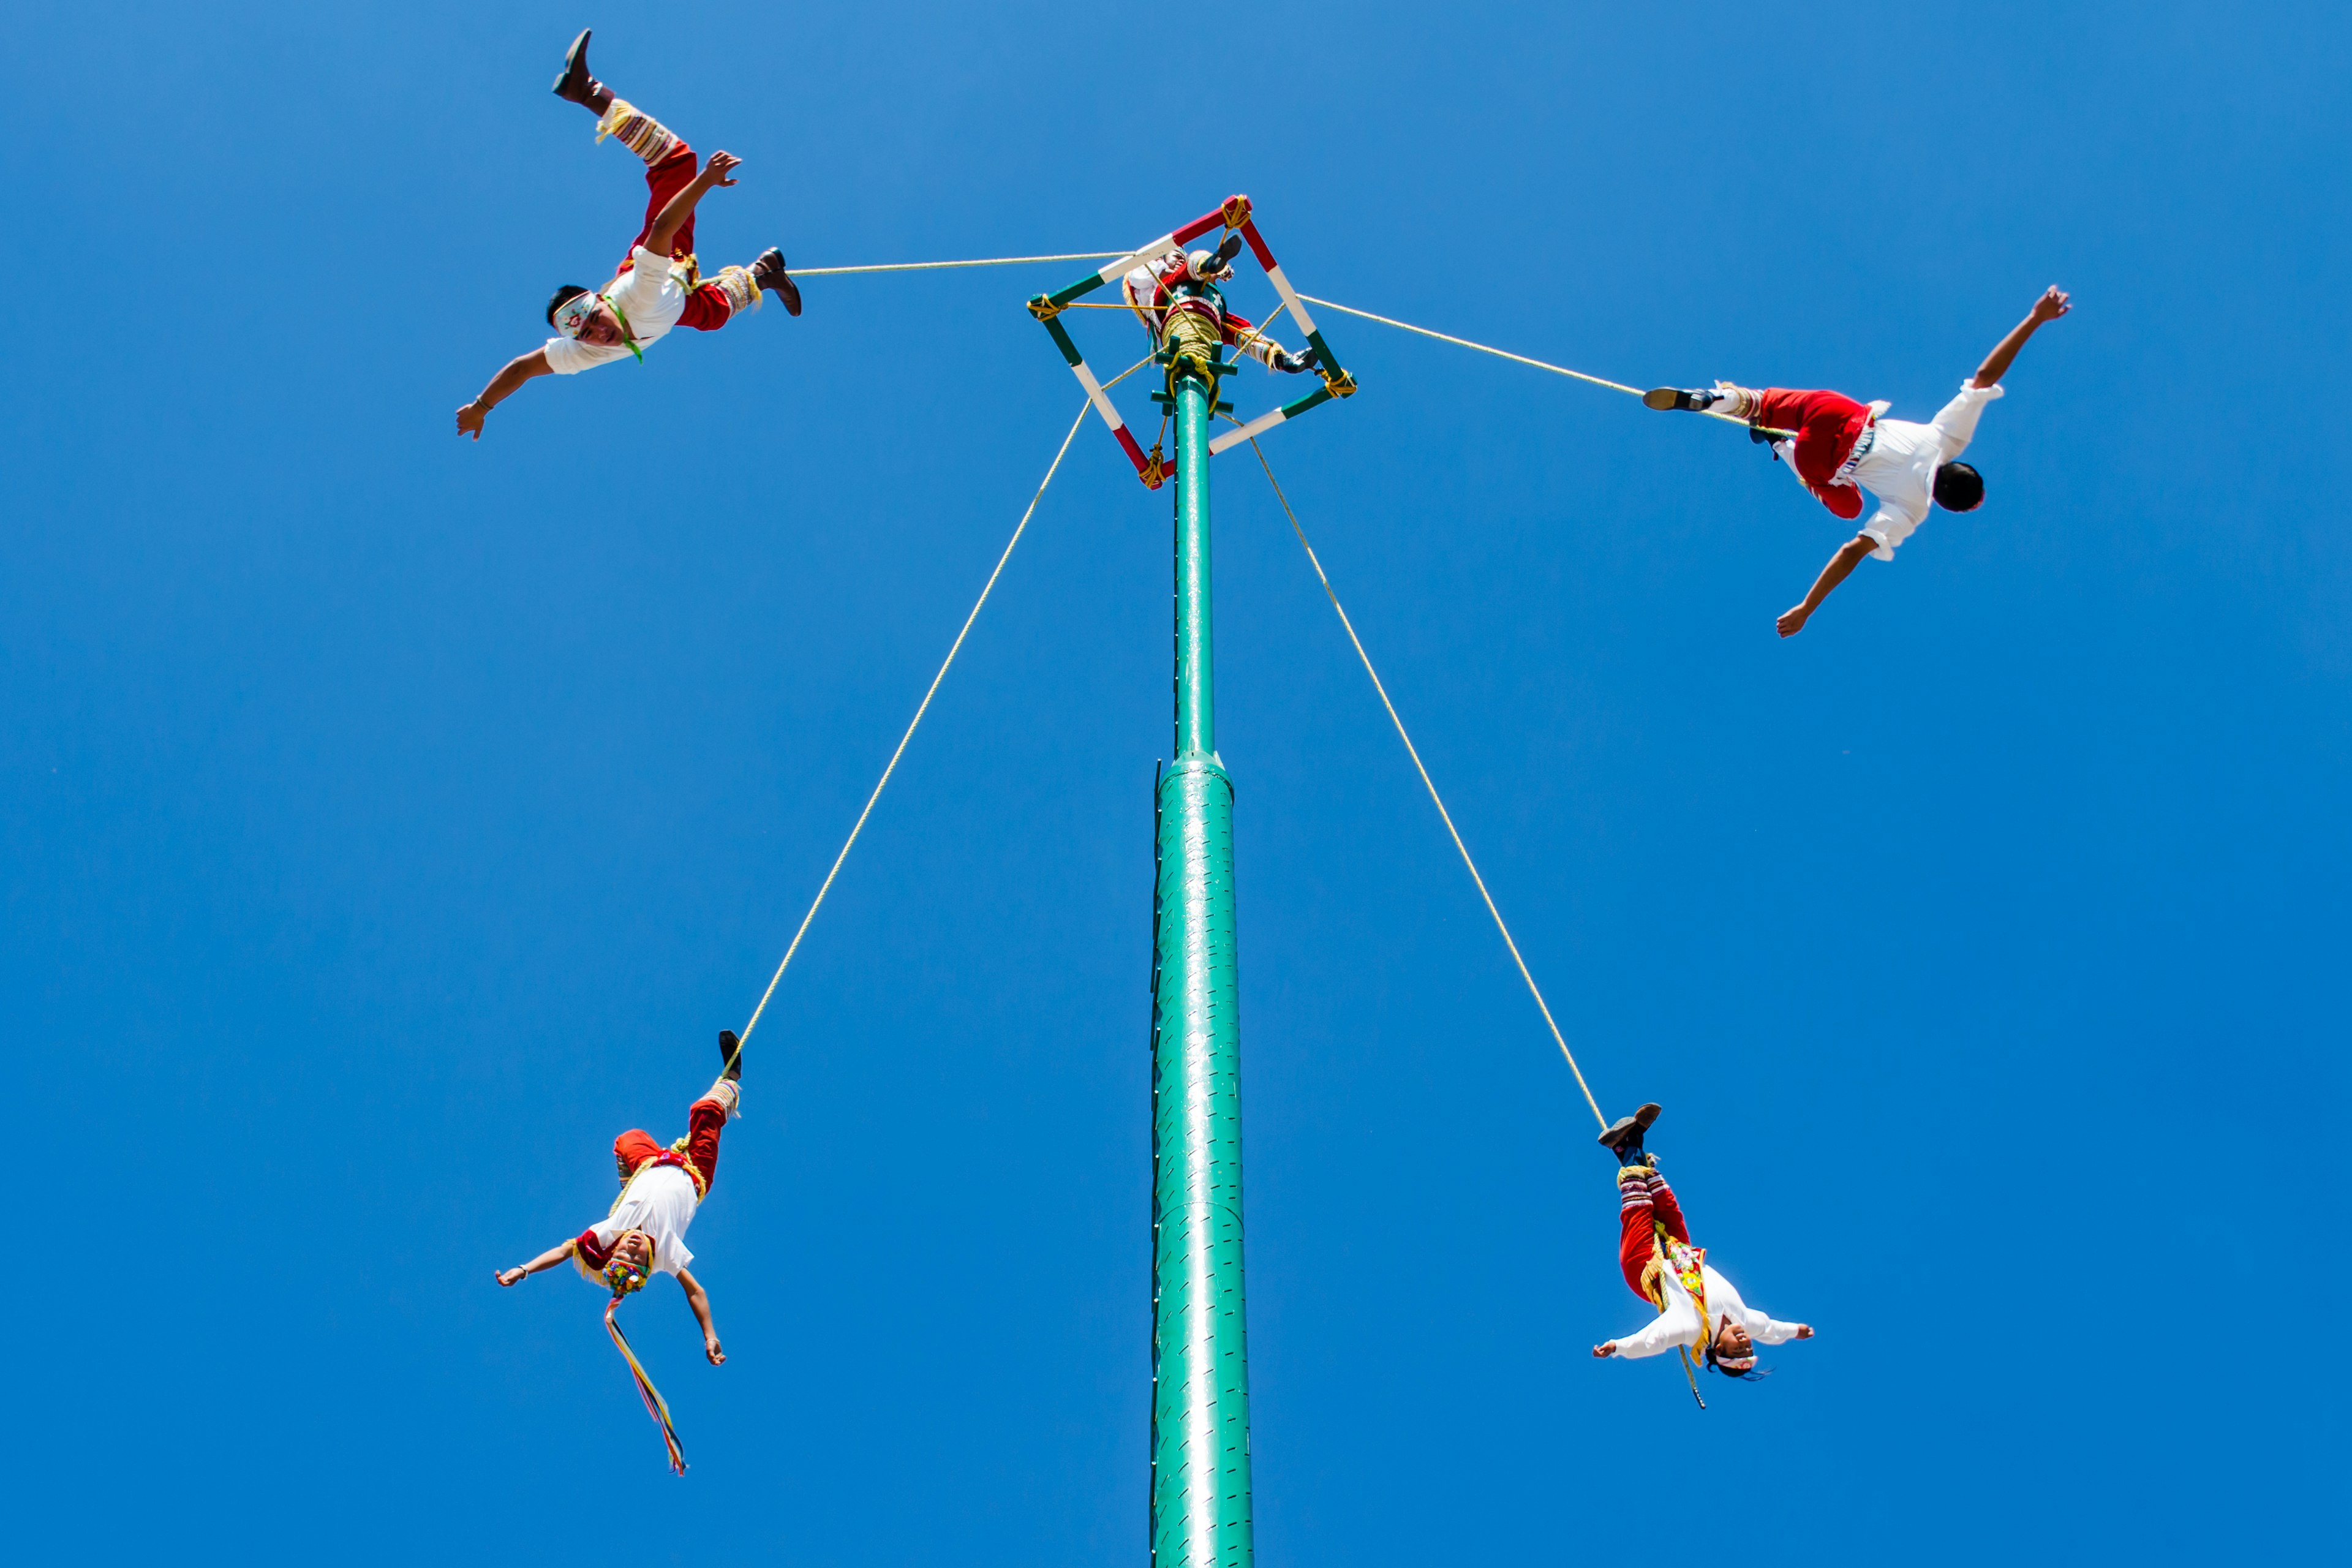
[1804,1330]
[710,1349]
[470,419]
[513,1276]
[1793,621]
[2054,303]
[715,172]
[1605,1351]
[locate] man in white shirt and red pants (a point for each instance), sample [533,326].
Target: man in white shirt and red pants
[659,284]
[1698,1308]
[1841,448]
[662,1187]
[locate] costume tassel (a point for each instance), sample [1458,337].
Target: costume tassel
[1690,1371]
[655,1406]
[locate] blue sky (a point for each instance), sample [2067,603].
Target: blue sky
[389,821]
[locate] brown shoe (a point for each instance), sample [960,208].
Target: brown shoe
[1627,1131]
[768,272]
[575,85]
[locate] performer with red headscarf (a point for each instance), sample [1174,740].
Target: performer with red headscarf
[644,1233]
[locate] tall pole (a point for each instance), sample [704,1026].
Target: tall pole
[1200,1361]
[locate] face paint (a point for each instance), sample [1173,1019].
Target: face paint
[571,317]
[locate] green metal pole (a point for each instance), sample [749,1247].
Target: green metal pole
[1200,1361]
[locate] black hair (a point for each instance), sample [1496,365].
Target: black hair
[1959,487]
[556,300]
[1753,1375]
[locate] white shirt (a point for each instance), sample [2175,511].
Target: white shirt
[650,300]
[1900,467]
[659,1201]
[1679,1324]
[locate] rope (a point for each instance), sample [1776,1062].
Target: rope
[656,1405]
[1131,369]
[936,266]
[1414,752]
[1259,331]
[1522,359]
[922,708]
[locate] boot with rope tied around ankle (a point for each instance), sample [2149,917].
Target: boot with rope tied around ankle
[1698,1310]
[659,284]
[643,1234]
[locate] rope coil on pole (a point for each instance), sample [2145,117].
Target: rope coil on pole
[1414,752]
[922,708]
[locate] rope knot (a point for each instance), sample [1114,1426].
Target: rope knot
[1043,308]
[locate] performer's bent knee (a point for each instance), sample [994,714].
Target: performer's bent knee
[707,309]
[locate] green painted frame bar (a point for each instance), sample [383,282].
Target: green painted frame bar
[1234,214]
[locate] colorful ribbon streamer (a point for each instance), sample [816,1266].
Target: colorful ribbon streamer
[655,1406]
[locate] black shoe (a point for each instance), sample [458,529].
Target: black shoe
[768,272]
[575,85]
[1626,1132]
[1666,397]
[730,1051]
[1762,437]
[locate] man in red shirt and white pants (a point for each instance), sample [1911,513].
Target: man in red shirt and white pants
[1841,448]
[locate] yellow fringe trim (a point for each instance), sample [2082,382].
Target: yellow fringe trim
[741,289]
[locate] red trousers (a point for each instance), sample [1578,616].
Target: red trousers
[706,308]
[1827,424]
[704,1123]
[1645,1204]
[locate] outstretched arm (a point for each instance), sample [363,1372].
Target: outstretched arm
[680,206]
[502,386]
[2053,304]
[1677,1325]
[547,1259]
[695,1299]
[1841,567]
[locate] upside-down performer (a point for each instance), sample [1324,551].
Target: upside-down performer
[645,1233]
[1177,298]
[1843,448]
[659,284]
[1698,1308]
